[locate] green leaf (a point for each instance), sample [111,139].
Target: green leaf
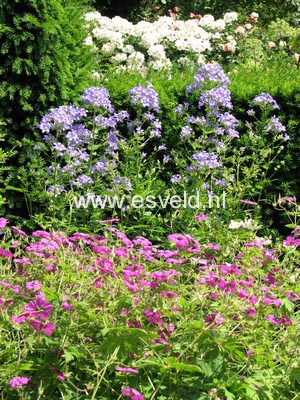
[229,395]
[173,363]
[295,374]
[15,189]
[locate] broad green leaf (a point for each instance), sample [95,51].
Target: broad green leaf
[179,366]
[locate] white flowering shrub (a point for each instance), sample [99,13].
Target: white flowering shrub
[156,45]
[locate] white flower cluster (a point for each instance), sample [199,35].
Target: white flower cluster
[247,224]
[149,45]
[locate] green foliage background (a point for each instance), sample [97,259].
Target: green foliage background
[139,9]
[43,61]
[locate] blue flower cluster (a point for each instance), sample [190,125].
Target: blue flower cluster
[146,96]
[148,99]
[215,100]
[265,99]
[98,97]
[211,72]
[204,160]
[73,144]
[216,120]
[61,118]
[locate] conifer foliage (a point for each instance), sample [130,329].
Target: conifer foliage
[43,59]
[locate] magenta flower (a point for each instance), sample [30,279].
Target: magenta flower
[279,321]
[5,254]
[179,240]
[132,393]
[17,230]
[200,217]
[18,381]
[49,327]
[214,246]
[109,221]
[3,222]
[268,301]
[127,370]
[292,296]
[67,306]
[289,199]
[40,308]
[167,293]
[214,319]
[33,285]
[154,316]
[38,326]
[251,312]
[249,202]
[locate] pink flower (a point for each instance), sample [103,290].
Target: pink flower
[214,319]
[292,296]
[18,381]
[33,285]
[3,222]
[278,321]
[214,246]
[40,308]
[288,199]
[160,341]
[200,217]
[48,327]
[5,254]
[67,306]
[17,230]
[109,221]
[251,312]
[127,370]
[59,375]
[249,353]
[132,393]
[180,240]
[249,202]
[153,316]
[166,293]
[268,300]
[121,252]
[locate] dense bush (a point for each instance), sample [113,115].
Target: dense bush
[145,9]
[42,59]
[43,62]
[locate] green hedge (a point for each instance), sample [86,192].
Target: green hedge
[43,61]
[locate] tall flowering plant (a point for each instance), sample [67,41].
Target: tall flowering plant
[97,151]
[103,159]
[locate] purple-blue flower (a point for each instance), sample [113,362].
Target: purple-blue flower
[146,96]
[55,190]
[176,178]
[61,118]
[78,135]
[275,126]
[211,72]
[186,132]
[215,99]
[265,99]
[101,166]
[82,180]
[204,160]
[228,124]
[99,97]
